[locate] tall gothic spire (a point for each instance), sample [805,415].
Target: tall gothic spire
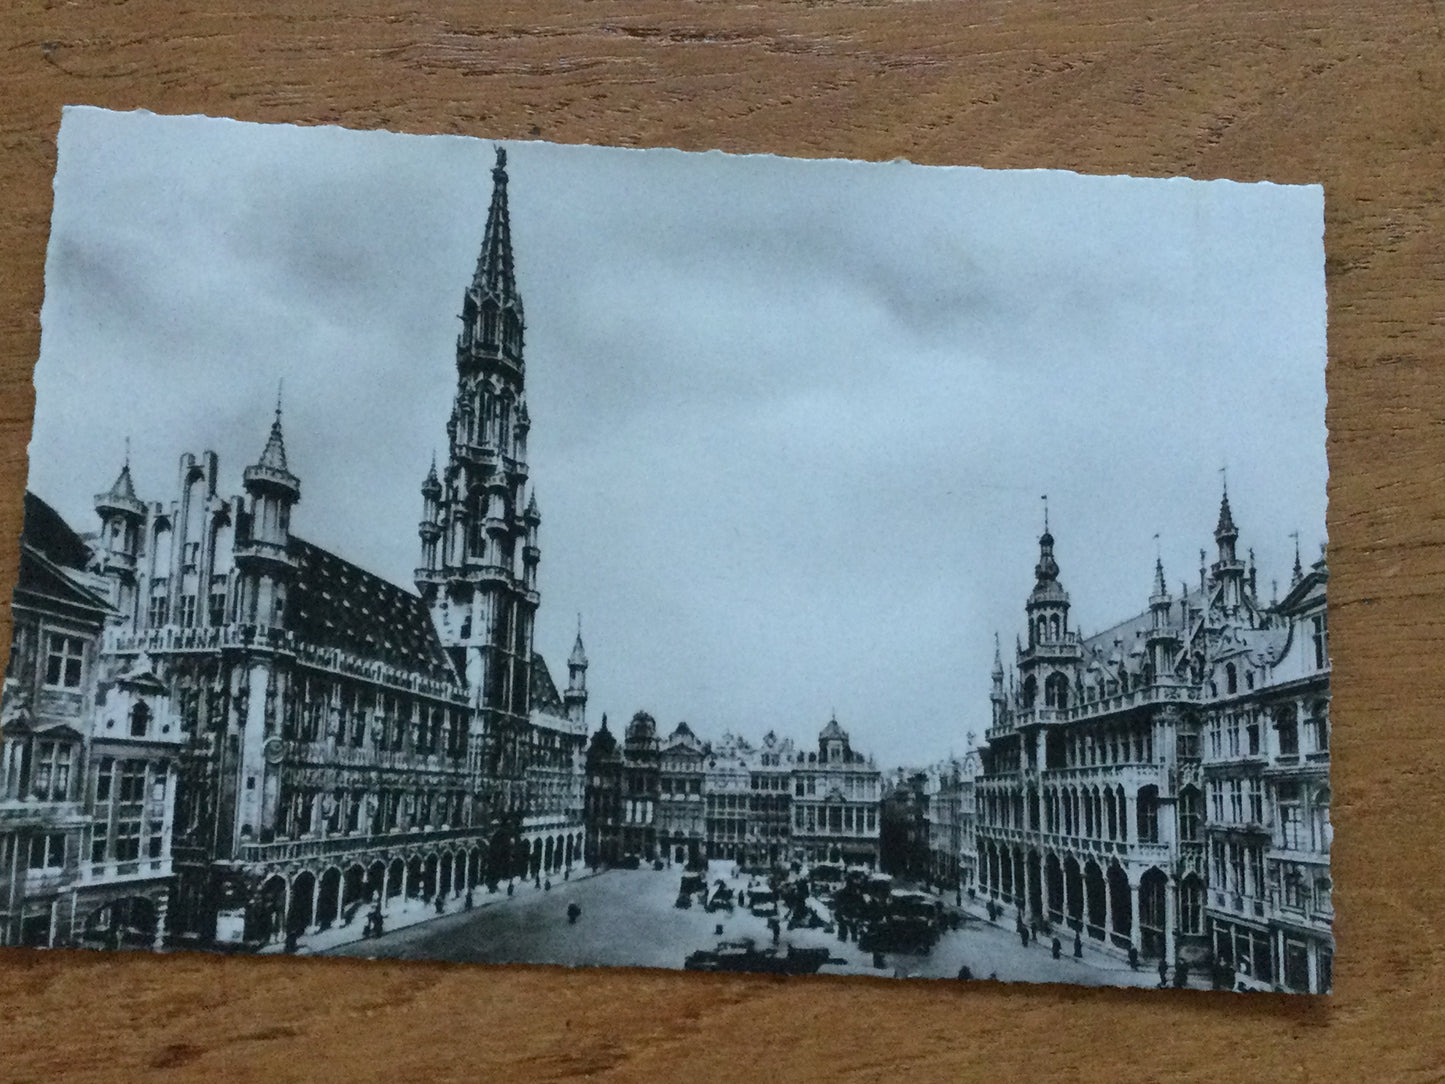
[495,273]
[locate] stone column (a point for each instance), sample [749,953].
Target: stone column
[1108,910]
[1030,887]
[1171,947]
[385,878]
[1068,896]
[1134,934]
[163,904]
[315,900]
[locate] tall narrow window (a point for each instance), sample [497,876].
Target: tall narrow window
[1321,641]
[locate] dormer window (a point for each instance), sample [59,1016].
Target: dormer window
[140,720]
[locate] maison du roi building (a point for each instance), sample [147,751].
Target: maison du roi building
[681,799]
[216,732]
[1164,786]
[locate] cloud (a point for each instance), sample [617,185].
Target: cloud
[791,420]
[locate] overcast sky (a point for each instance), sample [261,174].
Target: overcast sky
[791,420]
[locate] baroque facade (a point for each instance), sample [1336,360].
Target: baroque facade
[682,799]
[281,735]
[1147,788]
[85,811]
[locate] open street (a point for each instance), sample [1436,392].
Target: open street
[629,919]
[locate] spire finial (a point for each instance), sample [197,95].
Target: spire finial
[279,383]
[1299,572]
[127,467]
[1045,499]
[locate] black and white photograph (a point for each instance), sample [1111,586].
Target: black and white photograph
[835,568]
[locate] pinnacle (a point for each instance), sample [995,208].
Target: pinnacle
[274,454]
[1226,518]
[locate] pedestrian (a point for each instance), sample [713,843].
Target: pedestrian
[510,886]
[469,902]
[1058,948]
[1023,935]
[1163,973]
[547,885]
[1078,944]
[1181,975]
[964,973]
[1133,958]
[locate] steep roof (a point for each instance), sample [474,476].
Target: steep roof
[337,604]
[46,531]
[544,690]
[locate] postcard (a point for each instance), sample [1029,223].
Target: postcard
[834,568]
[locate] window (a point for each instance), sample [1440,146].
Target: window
[1191,906]
[51,776]
[1288,733]
[140,717]
[1321,725]
[188,611]
[47,851]
[1256,871]
[1189,815]
[1291,822]
[63,661]
[1236,869]
[159,612]
[1236,801]
[217,613]
[1294,888]
[1321,638]
[98,839]
[1231,678]
[1256,801]
[103,779]
[1251,732]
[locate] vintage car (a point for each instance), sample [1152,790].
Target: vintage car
[744,955]
[693,882]
[907,922]
[763,903]
[720,898]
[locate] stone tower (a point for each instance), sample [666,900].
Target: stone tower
[479,524]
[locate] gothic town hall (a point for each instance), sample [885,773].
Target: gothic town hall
[217,733]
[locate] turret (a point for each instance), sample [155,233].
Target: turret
[430,527]
[1228,570]
[1162,639]
[997,696]
[122,520]
[263,536]
[576,695]
[531,553]
[1048,604]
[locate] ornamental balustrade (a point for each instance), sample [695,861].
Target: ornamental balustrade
[293,850]
[173,638]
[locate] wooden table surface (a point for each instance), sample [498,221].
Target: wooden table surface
[1348,94]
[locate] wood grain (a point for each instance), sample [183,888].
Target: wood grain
[1347,94]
